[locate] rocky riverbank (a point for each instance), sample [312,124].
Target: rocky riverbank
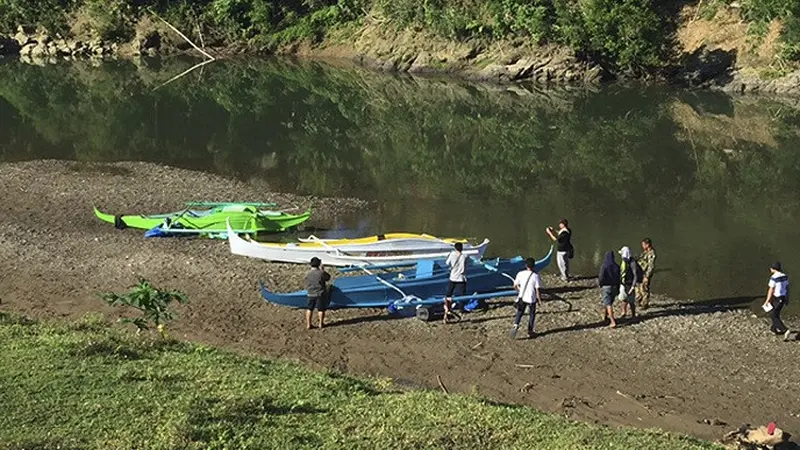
[702,62]
[694,367]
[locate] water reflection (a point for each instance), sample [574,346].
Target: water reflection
[712,179]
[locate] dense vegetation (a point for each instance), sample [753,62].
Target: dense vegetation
[88,386]
[628,35]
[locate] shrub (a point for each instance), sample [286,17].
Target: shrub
[153,303]
[112,19]
[49,14]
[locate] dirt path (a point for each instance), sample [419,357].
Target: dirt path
[681,365]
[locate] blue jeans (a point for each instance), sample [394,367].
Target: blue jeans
[531,314]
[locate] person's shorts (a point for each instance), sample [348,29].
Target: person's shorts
[630,295]
[609,292]
[452,286]
[318,303]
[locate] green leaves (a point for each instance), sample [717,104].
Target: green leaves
[152,302]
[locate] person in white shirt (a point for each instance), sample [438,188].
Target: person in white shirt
[527,284]
[457,263]
[777,297]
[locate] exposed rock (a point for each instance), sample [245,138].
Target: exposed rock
[744,82]
[26,50]
[62,48]
[22,38]
[43,38]
[39,50]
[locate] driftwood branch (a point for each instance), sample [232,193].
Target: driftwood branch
[441,385]
[185,38]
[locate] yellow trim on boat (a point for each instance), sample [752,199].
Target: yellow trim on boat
[364,240]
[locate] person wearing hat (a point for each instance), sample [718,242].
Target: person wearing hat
[317,291]
[777,297]
[631,276]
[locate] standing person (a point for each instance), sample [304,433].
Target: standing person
[565,250]
[457,262]
[630,277]
[527,283]
[316,280]
[647,261]
[777,297]
[609,280]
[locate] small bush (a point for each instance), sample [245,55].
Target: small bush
[153,303]
[49,14]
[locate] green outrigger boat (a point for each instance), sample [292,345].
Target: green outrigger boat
[206,218]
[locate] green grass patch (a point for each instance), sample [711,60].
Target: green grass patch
[87,385]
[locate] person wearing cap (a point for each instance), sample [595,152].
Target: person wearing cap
[317,291]
[527,284]
[777,297]
[647,261]
[564,248]
[457,263]
[631,276]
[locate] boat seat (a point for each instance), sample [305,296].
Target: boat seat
[424,268]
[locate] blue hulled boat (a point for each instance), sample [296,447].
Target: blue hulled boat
[424,284]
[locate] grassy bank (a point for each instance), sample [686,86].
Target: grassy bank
[623,35]
[86,385]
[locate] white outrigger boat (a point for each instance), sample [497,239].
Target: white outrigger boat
[393,248]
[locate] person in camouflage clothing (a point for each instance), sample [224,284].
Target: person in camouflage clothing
[647,261]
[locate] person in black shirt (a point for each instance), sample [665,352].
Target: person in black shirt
[317,292]
[564,248]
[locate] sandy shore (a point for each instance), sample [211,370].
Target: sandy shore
[684,367]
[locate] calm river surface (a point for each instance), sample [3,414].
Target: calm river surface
[713,180]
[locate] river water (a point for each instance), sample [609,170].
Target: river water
[713,180]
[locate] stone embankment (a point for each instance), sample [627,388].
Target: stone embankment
[40,46]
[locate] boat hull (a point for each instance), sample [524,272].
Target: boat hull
[250,221]
[394,251]
[417,286]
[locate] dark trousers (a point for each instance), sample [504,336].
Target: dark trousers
[531,314]
[777,324]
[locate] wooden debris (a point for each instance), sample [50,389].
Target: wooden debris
[441,385]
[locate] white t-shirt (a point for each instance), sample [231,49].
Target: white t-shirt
[456,261]
[527,285]
[779,283]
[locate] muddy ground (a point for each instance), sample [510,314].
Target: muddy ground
[701,369]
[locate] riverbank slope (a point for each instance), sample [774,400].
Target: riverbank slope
[687,366]
[744,47]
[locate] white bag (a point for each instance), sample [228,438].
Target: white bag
[622,296]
